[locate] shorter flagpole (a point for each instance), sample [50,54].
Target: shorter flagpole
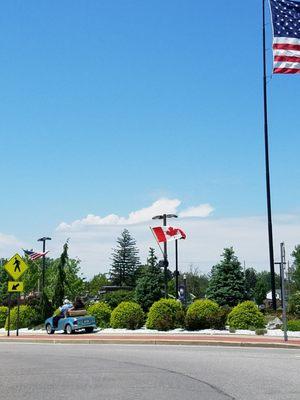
[176,268]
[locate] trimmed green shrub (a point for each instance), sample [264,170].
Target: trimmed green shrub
[293,325]
[27,319]
[102,312]
[3,315]
[260,331]
[165,314]
[218,320]
[201,314]
[128,315]
[113,299]
[246,315]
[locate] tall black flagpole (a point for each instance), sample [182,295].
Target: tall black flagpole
[270,229]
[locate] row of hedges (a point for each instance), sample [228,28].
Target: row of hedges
[167,314]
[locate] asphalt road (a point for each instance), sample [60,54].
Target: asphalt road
[121,372]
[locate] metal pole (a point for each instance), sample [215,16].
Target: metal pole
[8,316]
[185,293]
[176,268]
[18,315]
[282,262]
[270,230]
[165,260]
[44,263]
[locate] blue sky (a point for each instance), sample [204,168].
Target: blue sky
[107,107]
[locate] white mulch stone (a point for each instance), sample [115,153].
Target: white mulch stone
[143,331]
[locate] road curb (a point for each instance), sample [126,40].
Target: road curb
[152,341]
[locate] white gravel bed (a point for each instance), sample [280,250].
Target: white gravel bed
[143,331]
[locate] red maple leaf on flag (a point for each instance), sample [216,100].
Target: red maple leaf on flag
[171,231]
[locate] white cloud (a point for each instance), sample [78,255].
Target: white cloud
[9,245]
[203,210]
[163,205]
[206,237]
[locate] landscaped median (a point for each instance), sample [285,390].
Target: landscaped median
[168,322]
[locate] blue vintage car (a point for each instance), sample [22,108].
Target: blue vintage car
[71,324]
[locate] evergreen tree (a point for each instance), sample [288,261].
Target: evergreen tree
[152,262]
[60,280]
[125,261]
[250,283]
[227,283]
[149,283]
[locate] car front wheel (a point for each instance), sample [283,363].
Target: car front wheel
[68,329]
[49,329]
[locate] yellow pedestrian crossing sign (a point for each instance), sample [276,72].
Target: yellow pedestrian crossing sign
[16,267]
[14,286]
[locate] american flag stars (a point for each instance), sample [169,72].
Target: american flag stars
[286,36]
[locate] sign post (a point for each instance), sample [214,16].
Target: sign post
[8,315]
[15,267]
[283,294]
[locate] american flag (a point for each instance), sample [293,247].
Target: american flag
[33,255]
[286,36]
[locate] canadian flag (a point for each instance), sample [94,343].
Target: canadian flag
[167,233]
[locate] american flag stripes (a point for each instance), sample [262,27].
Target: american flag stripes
[33,255]
[286,36]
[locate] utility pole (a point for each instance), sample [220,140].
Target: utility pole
[43,239]
[267,163]
[164,217]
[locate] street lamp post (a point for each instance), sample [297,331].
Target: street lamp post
[176,268]
[164,217]
[43,239]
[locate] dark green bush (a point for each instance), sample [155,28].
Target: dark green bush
[204,314]
[43,308]
[148,290]
[260,331]
[294,303]
[102,312]
[165,314]
[218,320]
[128,315]
[3,315]
[246,315]
[113,299]
[27,319]
[293,325]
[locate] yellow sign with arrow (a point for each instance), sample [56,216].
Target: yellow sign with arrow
[15,286]
[16,267]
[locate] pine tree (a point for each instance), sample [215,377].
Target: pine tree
[227,283]
[149,283]
[250,282]
[61,281]
[125,261]
[152,263]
